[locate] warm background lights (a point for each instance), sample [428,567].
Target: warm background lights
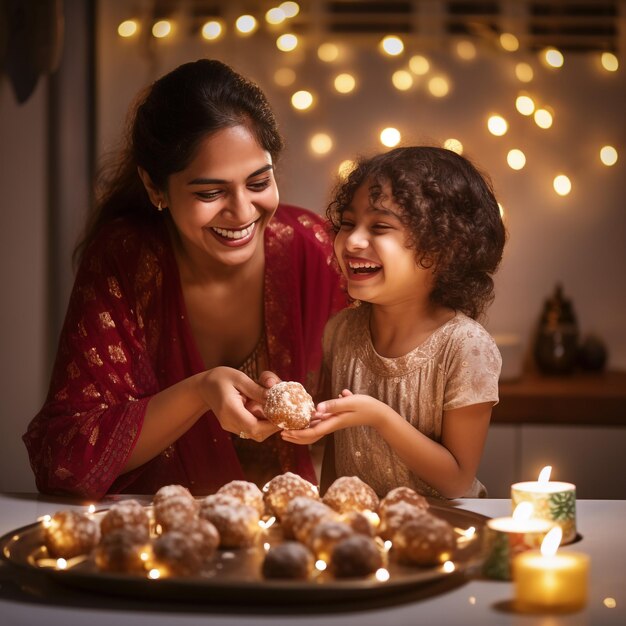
[161,29]
[562,185]
[392,45]
[453,144]
[497,125]
[127,28]
[246,24]
[290,9]
[419,65]
[402,80]
[284,77]
[524,72]
[466,50]
[302,100]
[345,83]
[275,16]
[553,57]
[328,52]
[608,155]
[321,143]
[525,105]
[438,86]
[287,42]
[390,137]
[516,159]
[509,42]
[543,118]
[211,30]
[609,62]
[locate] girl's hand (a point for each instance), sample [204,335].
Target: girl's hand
[347,410]
[236,400]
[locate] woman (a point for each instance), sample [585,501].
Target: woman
[192,282]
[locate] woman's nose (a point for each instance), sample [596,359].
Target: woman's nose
[241,207]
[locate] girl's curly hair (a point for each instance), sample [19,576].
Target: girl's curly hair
[451,216]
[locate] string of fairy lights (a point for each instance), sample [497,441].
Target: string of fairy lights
[418,69]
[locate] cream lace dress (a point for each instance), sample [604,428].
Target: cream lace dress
[457,366]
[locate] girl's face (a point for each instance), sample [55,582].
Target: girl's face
[223,200]
[373,253]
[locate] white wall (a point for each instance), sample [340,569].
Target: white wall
[578,240]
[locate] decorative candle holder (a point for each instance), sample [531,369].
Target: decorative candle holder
[552,501]
[505,538]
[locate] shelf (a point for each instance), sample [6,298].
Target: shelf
[584,399]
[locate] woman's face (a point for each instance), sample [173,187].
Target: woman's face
[223,200]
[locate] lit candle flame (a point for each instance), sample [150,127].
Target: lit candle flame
[45,520]
[267,523]
[448,567]
[372,517]
[551,541]
[523,511]
[387,545]
[61,564]
[91,509]
[544,474]
[154,574]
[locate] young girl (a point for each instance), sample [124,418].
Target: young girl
[418,236]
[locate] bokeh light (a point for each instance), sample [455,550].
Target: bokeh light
[562,185]
[127,28]
[302,100]
[516,159]
[392,45]
[497,125]
[390,137]
[608,155]
[344,83]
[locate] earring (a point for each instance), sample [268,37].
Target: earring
[159,207]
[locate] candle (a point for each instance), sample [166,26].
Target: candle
[549,581]
[552,500]
[505,537]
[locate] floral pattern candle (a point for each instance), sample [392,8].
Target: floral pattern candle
[506,537]
[552,500]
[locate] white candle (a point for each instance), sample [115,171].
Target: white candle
[554,501]
[505,537]
[547,580]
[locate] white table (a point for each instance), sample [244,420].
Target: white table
[602,524]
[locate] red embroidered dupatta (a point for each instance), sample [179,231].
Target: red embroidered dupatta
[126,337]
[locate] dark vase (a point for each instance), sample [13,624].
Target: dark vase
[556,345]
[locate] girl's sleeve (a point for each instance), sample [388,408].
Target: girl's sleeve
[474,369]
[101,384]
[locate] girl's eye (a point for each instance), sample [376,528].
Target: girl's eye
[382,227]
[346,225]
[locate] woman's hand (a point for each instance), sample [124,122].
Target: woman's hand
[236,400]
[347,410]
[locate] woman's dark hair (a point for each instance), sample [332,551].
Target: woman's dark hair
[164,128]
[450,213]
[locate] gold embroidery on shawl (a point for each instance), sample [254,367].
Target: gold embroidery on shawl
[305,220]
[109,397]
[129,381]
[88,293]
[61,394]
[62,473]
[94,435]
[93,358]
[117,353]
[114,287]
[114,378]
[72,370]
[106,321]
[90,391]
[82,331]
[65,438]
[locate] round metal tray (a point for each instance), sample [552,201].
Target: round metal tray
[235,575]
